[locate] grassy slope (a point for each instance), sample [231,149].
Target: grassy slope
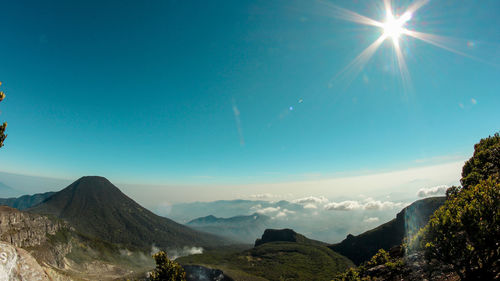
[276,261]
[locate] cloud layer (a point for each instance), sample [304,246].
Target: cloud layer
[311,200]
[368,204]
[432,191]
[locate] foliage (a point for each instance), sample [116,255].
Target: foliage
[464,232]
[387,266]
[352,274]
[166,270]
[381,257]
[4,125]
[484,163]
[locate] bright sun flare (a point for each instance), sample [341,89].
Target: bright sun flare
[393,27]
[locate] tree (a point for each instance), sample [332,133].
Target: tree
[484,163]
[4,125]
[166,270]
[464,232]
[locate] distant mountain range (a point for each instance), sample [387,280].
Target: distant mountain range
[362,247]
[243,229]
[26,201]
[309,218]
[95,207]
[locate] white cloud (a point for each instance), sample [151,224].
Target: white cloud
[379,205]
[367,204]
[432,191]
[311,200]
[344,206]
[280,215]
[268,210]
[371,220]
[262,196]
[310,206]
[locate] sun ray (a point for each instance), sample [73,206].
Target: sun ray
[403,69]
[436,40]
[416,6]
[347,15]
[354,67]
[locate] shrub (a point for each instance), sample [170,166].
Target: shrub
[166,270]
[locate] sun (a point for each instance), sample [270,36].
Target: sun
[394,27]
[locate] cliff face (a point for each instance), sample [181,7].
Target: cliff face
[23,229]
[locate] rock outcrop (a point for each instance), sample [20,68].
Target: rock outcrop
[18,265]
[23,229]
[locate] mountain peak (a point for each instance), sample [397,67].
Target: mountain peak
[96,207]
[92,180]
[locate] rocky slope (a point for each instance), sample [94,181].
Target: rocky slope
[23,229]
[64,253]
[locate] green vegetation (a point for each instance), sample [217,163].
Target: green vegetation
[166,270]
[277,261]
[392,268]
[464,232]
[4,125]
[484,163]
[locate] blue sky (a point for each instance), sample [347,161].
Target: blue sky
[238,92]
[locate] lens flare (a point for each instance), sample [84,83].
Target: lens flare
[393,28]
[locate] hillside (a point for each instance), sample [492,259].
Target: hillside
[26,201]
[94,206]
[362,247]
[275,261]
[244,229]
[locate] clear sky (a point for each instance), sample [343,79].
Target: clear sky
[240,92]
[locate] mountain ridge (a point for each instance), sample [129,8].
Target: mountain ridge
[26,201]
